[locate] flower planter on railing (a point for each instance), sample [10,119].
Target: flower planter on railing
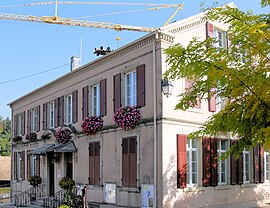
[127,117]
[17,139]
[63,135]
[32,137]
[92,124]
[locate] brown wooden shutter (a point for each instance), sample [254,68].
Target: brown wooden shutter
[206,161]
[209,30]
[56,113]
[140,85]
[116,92]
[23,165]
[15,156]
[38,164]
[132,162]
[45,116]
[256,163]
[38,118]
[61,107]
[91,164]
[28,166]
[240,172]
[96,163]
[23,123]
[261,164]
[234,168]
[212,101]
[125,163]
[15,125]
[214,162]
[103,97]
[181,161]
[85,102]
[28,122]
[75,106]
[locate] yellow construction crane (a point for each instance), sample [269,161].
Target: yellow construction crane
[85,23]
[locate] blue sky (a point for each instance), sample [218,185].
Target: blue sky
[29,48]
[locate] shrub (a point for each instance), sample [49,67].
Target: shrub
[35,180]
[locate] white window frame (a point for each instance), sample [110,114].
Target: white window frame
[96,100]
[19,166]
[51,114]
[221,151]
[68,109]
[33,165]
[20,128]
[246,170]
[220,40]
[34,119]
[131,88]
[190,161]
[266,164]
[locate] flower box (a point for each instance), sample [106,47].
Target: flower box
[92,124]
[63,135]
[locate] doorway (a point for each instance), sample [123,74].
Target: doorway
[69,165]
[51,171]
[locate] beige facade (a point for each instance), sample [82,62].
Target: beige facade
[156,134]
[5,167]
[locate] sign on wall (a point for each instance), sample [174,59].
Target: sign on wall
[110,193]
[147,195]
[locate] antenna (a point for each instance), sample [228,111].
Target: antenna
[56,8]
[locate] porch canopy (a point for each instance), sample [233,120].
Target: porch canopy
[57,148]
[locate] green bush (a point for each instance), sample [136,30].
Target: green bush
[64,206]
[35,180]
[66,183]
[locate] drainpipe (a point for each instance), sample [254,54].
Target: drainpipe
[155,119]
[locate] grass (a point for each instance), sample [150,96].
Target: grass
[5,190]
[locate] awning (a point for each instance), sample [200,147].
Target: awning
[68,147]
[42,150]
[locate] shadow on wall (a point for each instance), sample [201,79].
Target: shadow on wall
[209,196]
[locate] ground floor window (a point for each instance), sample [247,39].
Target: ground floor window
[94,163]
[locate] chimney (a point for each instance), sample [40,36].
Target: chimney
[75,63]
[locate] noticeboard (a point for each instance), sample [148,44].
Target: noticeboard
[110,193]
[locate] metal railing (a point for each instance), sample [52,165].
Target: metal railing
[24,199]
[57,199]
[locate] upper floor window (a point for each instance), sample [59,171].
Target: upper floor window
[222,164]
[219,36]
[192,162]
[68,109]
[51,114]
[96,100]
[34,119]
[130,89]
[246,166]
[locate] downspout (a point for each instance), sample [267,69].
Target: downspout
[155,119]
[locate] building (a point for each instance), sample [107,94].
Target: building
[153,164]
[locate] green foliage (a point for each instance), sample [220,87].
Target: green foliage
[35,180]
[240,74]
[64,206]
[66,183]
[5,142]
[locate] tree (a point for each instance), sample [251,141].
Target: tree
[239,74]
[5,143]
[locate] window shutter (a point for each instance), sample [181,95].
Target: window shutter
[116,91]
[23,123]
[240,171]
[188,84]
[61,110]
[206,161]
[261,164]
[28,166]
[56,113]
[234,168]
[38,165]
[15,166]
[23,165]
[140,72]
[96,163]
[181,161]
[212,101]
[38,118]
[209,30]
[103,97]
[214,162]
[91,163]
[28,122]
[132,162]
[75,106]
[85,100]
[125,163]
[228,41]
[45,113]
[256,163]
[15,125]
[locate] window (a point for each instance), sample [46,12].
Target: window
[219,36]
[51,114]
[222,164]
[34,119]
[96,100]
[266,166]
[20,163]
[192,162]
[246,166]
[33,166]
[130,89]
[68,109]
[129,162]
[94,163]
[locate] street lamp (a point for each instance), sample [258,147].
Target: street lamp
[166,87]
[3,134]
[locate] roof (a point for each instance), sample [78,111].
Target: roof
[5,168]
[42,150]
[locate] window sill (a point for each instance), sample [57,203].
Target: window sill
[93,187]
[194,189]
[248,185]
[130,189]
[223,187]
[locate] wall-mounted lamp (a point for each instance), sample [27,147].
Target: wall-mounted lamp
[3,134]
[166,87]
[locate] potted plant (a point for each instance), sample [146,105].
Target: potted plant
[92,124]
[63,135]
[17,139]
[67,184]
[127,117]
[34,181]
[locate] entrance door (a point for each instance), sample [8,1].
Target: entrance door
[50,157]
[69,165]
